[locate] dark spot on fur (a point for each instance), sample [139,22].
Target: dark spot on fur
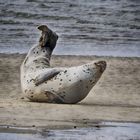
[35,60]
[86,86]
[65,71]
[93,82]
[60,83]
[62,96]
[61,79]
[37,52]
[37,66]
[80,80]
[74,73]
[55,77]
[25,90]
[86,71]
[43,50]
[31,96]
[70,80]
[31,80]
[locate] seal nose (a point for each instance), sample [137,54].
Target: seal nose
[101,65]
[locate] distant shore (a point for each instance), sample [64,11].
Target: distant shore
[115,97]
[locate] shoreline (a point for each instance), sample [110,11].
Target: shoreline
[114,98]
[96,56]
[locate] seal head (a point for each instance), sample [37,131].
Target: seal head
[48,38]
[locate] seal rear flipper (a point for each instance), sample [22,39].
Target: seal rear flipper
[54,98]
[41,78]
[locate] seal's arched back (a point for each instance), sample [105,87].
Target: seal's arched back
[40,82]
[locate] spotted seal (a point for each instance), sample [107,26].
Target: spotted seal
[41,83]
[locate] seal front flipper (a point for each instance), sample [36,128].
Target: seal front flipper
[47,75]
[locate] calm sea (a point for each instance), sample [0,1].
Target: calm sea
[85,27]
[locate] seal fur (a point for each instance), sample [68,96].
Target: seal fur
[41,83]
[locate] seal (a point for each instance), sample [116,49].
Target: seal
[42,83]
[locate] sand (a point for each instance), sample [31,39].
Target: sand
[116,97]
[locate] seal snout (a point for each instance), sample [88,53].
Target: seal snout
[101,65]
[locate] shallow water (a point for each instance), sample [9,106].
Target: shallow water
[104,131]
[93,27]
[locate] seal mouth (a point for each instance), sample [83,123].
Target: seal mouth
[101,65]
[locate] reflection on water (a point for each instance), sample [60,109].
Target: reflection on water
[106,131]
[99,27]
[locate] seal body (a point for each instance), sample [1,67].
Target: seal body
[41,83]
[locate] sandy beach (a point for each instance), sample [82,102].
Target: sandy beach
[116,97]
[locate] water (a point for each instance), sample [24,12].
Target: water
[85,27]
[107,131]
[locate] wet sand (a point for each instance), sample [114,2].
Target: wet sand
[116,97]
[105,131]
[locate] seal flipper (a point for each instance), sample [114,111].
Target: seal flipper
[46,76]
